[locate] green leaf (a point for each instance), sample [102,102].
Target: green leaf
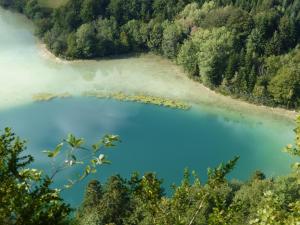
[97,146]
[55,152]
[106,162]
[110,140]
[74,142]
[88,169]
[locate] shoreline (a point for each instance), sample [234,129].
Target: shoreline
[45,52]
[221,101]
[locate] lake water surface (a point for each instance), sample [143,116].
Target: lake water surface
[153,138]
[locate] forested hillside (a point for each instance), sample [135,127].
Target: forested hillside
[243,48]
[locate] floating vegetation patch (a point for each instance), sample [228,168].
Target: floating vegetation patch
[42,97]
[120,96]
[141,98]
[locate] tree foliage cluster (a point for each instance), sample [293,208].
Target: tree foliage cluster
[141,201]
[27,195]
[232,46]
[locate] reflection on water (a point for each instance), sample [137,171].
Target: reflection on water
[153,138]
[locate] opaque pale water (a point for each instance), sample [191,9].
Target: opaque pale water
[154,138]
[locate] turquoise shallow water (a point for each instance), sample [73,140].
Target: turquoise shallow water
[153,138]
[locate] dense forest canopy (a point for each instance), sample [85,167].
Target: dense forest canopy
[247,49]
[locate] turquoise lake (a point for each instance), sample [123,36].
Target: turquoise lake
[154,139]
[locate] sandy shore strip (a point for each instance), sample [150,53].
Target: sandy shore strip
[46,53]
